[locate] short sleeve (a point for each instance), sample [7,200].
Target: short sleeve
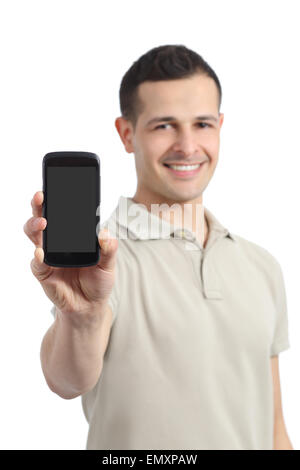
[280,340]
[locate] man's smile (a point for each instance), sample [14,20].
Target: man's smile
[185,170]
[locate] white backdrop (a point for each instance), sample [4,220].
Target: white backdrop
[62,63]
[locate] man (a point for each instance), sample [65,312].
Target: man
[198,314]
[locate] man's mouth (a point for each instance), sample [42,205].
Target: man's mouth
[183,167]
[185,170]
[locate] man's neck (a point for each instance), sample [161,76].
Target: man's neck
[188,214]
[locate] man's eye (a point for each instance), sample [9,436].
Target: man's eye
[161,126]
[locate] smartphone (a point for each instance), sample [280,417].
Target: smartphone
[71,185]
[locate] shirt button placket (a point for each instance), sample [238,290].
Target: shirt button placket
[211,287]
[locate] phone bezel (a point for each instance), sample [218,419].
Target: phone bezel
[72,159]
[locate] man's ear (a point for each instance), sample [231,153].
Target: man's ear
[124,129]
[221,119]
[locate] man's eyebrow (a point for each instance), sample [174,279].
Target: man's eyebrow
[203,117]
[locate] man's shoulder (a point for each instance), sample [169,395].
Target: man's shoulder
[256,252]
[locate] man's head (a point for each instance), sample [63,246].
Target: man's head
[175,82]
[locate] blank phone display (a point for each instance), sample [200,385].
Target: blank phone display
[71,209]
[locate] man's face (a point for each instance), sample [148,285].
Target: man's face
[182,140]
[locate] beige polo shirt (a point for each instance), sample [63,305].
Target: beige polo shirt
[187,365]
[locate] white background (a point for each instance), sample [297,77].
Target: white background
[61,67]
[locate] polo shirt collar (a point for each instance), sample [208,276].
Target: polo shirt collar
[140,224]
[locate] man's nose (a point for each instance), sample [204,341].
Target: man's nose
[186,142]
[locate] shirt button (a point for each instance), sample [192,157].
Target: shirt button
[183,233]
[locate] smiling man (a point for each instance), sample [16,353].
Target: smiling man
[199,314]
[176,150]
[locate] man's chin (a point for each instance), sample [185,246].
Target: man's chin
[180,197]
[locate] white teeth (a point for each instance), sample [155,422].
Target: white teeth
[185,167]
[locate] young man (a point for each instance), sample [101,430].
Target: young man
[197,314]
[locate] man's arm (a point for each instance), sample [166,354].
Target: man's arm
[281,438]
[72,355]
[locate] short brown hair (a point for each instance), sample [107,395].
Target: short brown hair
[160,63]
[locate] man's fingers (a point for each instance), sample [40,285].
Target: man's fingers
[39,269]
[36,204]
[108,250]
[33,229]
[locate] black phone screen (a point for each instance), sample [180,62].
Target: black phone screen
[71,196]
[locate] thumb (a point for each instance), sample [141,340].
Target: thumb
[39,269]
[108,250]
